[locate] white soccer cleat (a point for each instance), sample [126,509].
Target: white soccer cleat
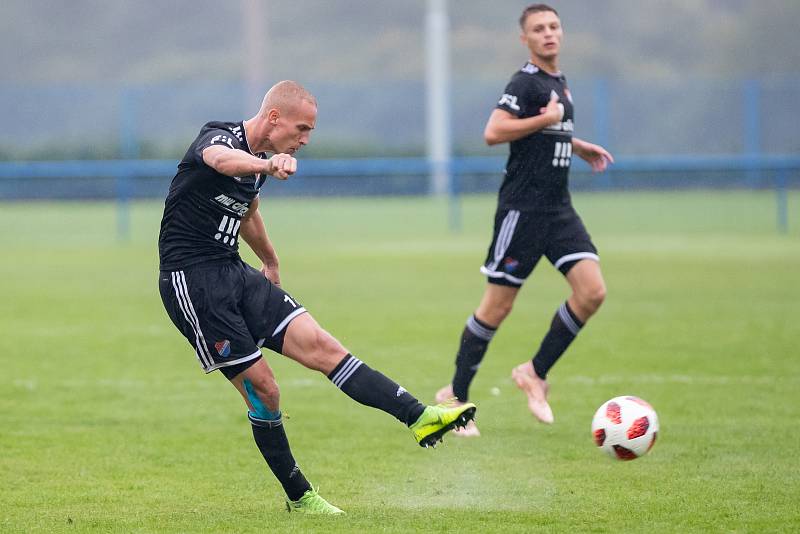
[446,394]
[536,390]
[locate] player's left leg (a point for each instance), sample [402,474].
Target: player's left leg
[308,344]
[588,293]
[257,385]
[571,251]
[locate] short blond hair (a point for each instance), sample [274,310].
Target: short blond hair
[285,95]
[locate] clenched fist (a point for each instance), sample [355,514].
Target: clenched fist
[281,166]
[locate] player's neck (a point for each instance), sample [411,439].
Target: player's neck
[549,65]
[257,137]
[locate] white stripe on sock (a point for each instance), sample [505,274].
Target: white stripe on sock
[349,373]
[480,331]
[340,374]
[349,363]
[566,318]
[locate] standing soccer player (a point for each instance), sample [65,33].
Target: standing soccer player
[228,310]
[534,216]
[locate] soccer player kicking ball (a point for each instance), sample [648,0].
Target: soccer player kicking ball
[534,216]
[228,310]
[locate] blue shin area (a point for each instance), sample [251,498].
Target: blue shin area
[259,410]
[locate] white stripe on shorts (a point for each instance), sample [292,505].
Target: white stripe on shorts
[576,256]
[504,238]
[500,274]
[256,354]
[185,304]
[287,320]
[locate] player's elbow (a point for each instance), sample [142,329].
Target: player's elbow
[491,136]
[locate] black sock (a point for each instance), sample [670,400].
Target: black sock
[563,329]
[371,388]
[474,342]
[271,440]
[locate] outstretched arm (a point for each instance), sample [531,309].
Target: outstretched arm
[595,155]
[255,235]
[235,162]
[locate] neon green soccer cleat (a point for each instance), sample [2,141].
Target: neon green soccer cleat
[437,420]
[313,504]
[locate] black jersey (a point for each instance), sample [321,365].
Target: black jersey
[538,165]
[204,208]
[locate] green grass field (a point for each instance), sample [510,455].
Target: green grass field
[107,422]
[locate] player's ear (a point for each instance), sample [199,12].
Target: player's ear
[273,115]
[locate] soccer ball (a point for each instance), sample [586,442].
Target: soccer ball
[625,427]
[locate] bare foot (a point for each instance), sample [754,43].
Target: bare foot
[536,389]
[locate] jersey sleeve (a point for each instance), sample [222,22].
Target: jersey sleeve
[515,99]
[215,136]
[523,97]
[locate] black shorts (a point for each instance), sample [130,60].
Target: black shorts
[227,310]
[522,237]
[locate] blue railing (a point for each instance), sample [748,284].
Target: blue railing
[125,171]
[396,166]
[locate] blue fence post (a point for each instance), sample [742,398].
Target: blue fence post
[751,100]
[128,149]
[781,198]
[601,125]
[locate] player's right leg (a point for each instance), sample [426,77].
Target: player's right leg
[307,343]
[260,392]
[511,257]
[494,307]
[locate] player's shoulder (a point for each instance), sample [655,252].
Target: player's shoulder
[229,133]
[232,127]
[529,75]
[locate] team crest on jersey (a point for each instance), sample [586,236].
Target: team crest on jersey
[510,264]
[223,348]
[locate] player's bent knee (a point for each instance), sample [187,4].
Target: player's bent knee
[598,296]
[593,298]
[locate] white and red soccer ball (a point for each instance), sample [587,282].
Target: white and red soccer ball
[625,427]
